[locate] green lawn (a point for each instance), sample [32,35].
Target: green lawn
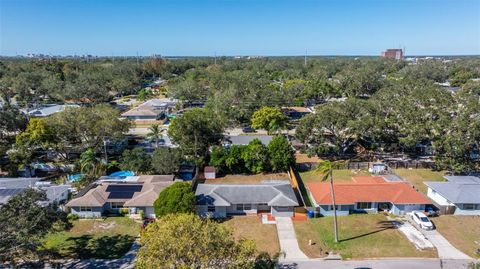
[342,175]
[462,231]
[101,239]
[361,236]
[418,176]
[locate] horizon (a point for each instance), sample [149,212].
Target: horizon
[239,28]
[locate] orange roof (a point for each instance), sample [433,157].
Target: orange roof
[368,179]
[351,193]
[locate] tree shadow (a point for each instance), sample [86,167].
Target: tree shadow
[91,247]
[381,225]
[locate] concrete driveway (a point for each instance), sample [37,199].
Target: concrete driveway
[444,248]
[288,240]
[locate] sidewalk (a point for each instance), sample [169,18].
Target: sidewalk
[288,240]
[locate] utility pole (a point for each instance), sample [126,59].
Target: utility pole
[137,59]
[215,58]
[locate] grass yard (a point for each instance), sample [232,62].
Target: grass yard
[361,236]
[101,239]
[247,179]
[342,175]
[251,227]
[418,176]
[461,231]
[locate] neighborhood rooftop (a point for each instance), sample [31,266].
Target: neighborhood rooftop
[226,195]
[365,191]
[458,189]
[245,139]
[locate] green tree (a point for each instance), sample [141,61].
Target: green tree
[281,154]
[23,224]
[77,129]
[218,157]
[326,169]
[269,118]
[195,131]
[36,134]
[155,133]
[256,157]
[166,160]
[144,94]
[90,165]
[234,159]
[136,160]
[177,198]
[187,241]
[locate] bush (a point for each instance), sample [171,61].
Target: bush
[142,214]
[123,211]
[72,217]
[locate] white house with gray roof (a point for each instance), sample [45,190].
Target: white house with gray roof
[459,195]
[222,200]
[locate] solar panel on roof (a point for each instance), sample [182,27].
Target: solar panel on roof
[124,188]
[121,195]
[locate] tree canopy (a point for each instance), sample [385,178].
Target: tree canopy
[187,241]
[177,198]
[23,224]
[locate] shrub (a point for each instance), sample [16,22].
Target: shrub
[177,198]
[72,217]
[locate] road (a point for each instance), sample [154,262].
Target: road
[379,264]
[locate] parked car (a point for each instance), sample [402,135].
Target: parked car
[422,220]
[146,222]
[248,129]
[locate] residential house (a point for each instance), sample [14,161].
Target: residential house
[296,112]
[151,110]
[13,186]
[367,195]
[243,140]
[459,195]
[222,200]
[109,196]
[48,110]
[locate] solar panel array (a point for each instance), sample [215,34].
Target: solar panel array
[122,191]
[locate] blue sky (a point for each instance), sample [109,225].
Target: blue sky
[239,27]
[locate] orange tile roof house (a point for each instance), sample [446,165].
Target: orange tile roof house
[367,194]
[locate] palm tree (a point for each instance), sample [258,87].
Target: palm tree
[155,133]
[326,168]
[90,165]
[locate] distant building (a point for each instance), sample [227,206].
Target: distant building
[48,110]
[396,54]
[151,110]
[13,186]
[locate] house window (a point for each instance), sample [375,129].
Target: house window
[469,206]
[242,207]
[116,205]
[364,205]
[330,207]
[85,209]
[211,208]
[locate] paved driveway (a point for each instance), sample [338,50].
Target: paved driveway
[444,248]
[288,240]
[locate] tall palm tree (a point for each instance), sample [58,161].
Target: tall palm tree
[155,133]
[326,168]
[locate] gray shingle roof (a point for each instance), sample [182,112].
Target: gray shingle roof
[226,195]
[245,139]
[458,190]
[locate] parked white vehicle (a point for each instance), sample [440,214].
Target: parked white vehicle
[421,220]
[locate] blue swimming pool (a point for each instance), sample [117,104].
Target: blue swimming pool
[122,174]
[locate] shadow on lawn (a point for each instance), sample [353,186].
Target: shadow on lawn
[381,225]
[103,247]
